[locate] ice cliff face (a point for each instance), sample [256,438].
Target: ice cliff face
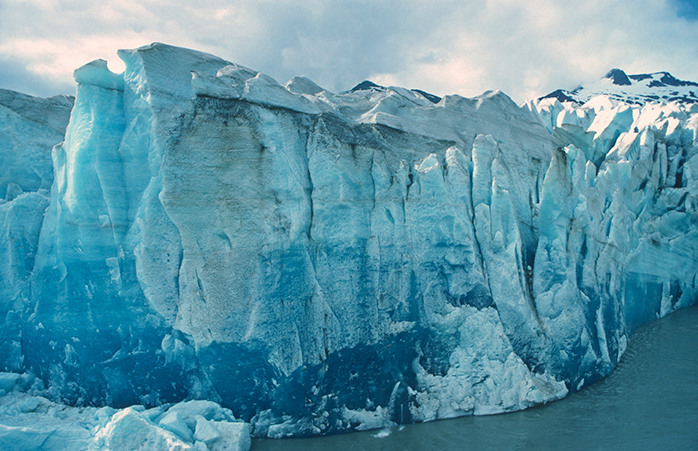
[29,128]
[318,262]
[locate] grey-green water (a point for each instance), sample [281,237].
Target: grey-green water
[649,402]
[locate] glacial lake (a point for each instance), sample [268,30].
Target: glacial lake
[649,402]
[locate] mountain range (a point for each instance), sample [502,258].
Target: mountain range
[638,89]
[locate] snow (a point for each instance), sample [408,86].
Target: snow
[217,246]
[640,89]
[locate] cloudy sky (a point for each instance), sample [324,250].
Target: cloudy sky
[526,48]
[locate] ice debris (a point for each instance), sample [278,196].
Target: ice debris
[29,421]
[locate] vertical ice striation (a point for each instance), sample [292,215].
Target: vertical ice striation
[319,262]
[29,128]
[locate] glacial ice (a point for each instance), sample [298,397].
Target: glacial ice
[319,262]
[29,421]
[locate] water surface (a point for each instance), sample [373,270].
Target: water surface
[649,402]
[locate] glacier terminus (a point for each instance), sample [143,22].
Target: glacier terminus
[295,262]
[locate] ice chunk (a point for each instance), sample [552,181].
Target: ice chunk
[97,73]
[128,430]
[8,381]
[33,422]
[175,424]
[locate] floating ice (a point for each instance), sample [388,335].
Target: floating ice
[30,422]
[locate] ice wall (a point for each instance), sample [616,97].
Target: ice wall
[318,262]
[29,128]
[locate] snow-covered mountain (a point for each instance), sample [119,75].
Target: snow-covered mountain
[637,89]
[319,262]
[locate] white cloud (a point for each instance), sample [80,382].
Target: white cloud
[525,48]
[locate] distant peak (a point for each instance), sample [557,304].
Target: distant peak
[670,80]
[561,95]
[367,85]
[618,77]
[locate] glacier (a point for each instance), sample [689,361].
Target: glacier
[312,262]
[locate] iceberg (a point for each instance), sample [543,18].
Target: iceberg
[316,262]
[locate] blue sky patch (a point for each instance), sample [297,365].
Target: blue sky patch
[688,9]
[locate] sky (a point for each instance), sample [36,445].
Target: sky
[526,48]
